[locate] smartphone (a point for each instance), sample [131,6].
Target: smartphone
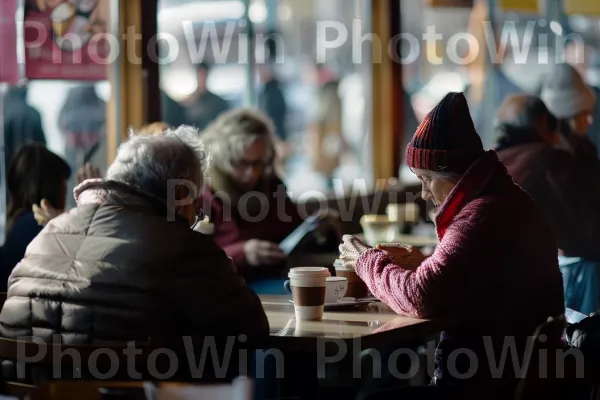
[90,153]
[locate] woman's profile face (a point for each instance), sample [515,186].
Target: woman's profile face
[434,188]
[249,168]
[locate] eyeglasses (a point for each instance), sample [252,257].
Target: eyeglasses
[243,165]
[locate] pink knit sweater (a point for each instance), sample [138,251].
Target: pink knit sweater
[495,271]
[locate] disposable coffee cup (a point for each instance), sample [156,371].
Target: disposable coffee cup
[357,288]
[308,286]
[62,18]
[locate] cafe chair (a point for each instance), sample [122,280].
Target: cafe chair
[26,364]
[531,387]
[240,388]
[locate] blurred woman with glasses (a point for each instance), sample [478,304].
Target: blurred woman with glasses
[244,198]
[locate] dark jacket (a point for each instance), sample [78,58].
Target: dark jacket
[565,188]
[203,110]
[115,269]
[23,231]
[173,113]
[272,103]
[22,123]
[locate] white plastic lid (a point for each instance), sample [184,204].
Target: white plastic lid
[309,272]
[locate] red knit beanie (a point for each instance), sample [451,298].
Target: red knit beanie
[446,140]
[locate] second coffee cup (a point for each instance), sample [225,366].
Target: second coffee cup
[308,286]
[356,287]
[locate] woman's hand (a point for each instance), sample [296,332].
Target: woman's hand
[88,171]
[261,252]
[406,256]
[350,250]
[45,212]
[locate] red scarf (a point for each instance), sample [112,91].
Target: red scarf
[473,181]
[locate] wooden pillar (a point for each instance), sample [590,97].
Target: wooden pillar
[388,99]
[150,65]
[134,75]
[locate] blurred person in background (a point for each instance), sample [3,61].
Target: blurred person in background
[82,121]
[573,102]
[565,189]
[35,175]
[325,138]
[173,112]
[125,264]
[245,199]
[271,99]
[22,123]
[203,106]
[581,56]
[242,150]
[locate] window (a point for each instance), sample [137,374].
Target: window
[458,59]
[247,45]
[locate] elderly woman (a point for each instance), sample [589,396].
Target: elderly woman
[243,197]
[573,102]
[495,271]
[564,188]
[125,264]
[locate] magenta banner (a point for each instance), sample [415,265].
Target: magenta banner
[9,66]
[66,39]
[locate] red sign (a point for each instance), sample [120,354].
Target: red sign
[67,39]
[9,67]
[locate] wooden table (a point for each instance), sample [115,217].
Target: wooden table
[374,329]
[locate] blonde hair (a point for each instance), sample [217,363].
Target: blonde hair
[152,129]
[232,132]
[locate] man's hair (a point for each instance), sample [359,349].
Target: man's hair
[150,161]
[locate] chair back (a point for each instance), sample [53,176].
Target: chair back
[240,389]
[26,364]
[529,387]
